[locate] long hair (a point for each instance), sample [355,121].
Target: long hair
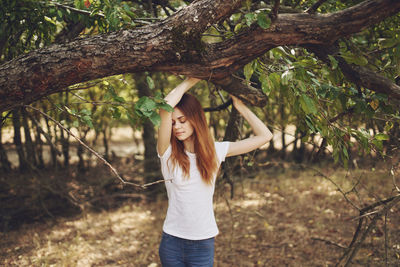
[206,157]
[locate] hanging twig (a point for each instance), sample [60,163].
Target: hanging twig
[46,135]
[123,182]
[274,11]
[220,107]
[73,9]
[328,242]
[392,172]
[314,7]
[3,118]
[340,115]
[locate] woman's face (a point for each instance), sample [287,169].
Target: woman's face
[182,129]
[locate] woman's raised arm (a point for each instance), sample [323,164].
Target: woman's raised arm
[261,131]
[173,98]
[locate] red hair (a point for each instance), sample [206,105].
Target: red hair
[204,148]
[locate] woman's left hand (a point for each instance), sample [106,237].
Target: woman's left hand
[236,101]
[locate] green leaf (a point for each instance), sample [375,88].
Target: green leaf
[263,20]
[88,121]
[119,99]
[238,27]
[316,81]
[333,61]
[275,79]
[250,18]
[248,70]
[302,86]
[310,124]
[381,136]
[387,43]
[265,83]
[145,106]
[286,77]
[86,112]
[166,107]
[378,144]
[355,59]
[155,118]
[308,105]
[116,112]
[388,126]
[346,154]
[150,82]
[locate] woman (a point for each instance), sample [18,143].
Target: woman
[189,162]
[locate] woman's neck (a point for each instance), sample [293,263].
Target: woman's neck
[189,144]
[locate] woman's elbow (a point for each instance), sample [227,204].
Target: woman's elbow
[268,137]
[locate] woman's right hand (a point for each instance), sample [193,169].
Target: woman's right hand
[236,101]
[193,80]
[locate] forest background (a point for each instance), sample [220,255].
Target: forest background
[81,83]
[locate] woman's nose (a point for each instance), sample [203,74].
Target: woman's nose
[177,125]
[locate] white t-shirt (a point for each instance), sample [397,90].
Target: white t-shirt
[190,212]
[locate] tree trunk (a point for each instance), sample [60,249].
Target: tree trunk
[5,163]
[106,153]
[53,150]
[39,147]
[29,146]
[174,45]
[232,133]
[23,164]
[64,136]
[151,164]
[80,150]
[283,123]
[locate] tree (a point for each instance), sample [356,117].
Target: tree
[326,67]
[174,44]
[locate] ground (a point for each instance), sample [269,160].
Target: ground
[286,215]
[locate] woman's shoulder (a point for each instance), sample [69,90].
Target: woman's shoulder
[221,148]
[221,143]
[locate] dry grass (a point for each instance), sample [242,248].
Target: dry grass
[274,220]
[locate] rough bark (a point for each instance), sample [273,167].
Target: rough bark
[174,45]
[232,133]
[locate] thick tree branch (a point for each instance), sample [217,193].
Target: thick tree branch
[174,45]
[359,75]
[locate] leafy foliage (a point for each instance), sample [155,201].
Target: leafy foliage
[303,91]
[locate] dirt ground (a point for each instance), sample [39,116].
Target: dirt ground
[283,216]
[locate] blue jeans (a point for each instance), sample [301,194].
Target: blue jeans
[179,252]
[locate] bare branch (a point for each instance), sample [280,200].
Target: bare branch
[314,7]
[123,182]
[389,203]
[329,242]
[392,172]
[220,107]
[335,184]
[46,136]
